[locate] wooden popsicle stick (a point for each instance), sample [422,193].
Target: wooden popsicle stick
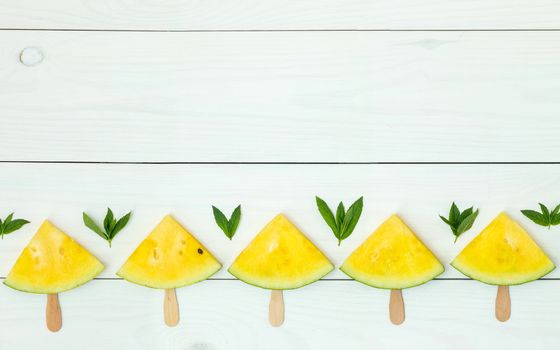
[396,307]
[503,304]
[276,308]
[171,308]
[53,314]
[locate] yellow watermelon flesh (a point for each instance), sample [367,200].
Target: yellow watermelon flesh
[503,254]
[170,257]
[280,257]
[392,258]
[52,263]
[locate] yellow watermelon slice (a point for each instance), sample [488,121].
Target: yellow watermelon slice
[392,258]
[503,254]
[280,257]
[52,263]
[170,257]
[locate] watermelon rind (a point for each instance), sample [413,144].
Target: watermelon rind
[145,283]
[293,283]
[502,282]
[14,284]
[403,283]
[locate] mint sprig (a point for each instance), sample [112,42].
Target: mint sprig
[545,217]
[460,222]
[10,225]
[345,221]
[111,225]
[228,226]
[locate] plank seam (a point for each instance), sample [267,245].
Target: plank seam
[278,30]
[267,163]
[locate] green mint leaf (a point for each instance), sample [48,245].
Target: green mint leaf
[445,220]
[555,220]
[340,213]
[227,226]
[14,225]
[221,220]
[108,222]
[351,219]
[467,223]
[113,224]
[120,224]
[344,223]
[8,218]
[8,225]
[233,221]
[93,226]
[348,217]
[460,222]
[465,214]
[454,214]
[545,213]
[555,211]
[453,230]
[536,217]
[327,215]
[555,216]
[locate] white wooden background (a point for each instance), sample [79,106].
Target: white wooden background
[172,106]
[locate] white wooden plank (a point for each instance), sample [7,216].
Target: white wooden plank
[280,15]
[416,192]
[313,96]
[325,315]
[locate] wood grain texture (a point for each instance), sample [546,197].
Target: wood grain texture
[276,310]
[171,308]
[466,95]
[312,96]
[280,15]
[53,313]
[418,193]
[503,304]
[323,315]
[396,307]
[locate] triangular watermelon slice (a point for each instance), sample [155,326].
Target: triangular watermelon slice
[170,257]
[503,254]
[52,263]
[280,257]
[392,258]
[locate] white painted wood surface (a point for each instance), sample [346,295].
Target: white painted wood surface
[297,96]
[227,314]
[280,14]
[324,315]
[457,91]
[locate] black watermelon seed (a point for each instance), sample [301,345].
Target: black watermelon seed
[200,251]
